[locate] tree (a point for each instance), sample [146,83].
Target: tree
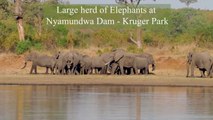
[138,31]
[19,18]
[188,2]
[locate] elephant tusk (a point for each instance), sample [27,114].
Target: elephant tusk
[107,63]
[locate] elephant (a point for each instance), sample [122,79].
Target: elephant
[202,60]
[61,63]
[68,63]
[86,64]
[142,64]
[42,61]
[122,60]
[100,62]
[150,59]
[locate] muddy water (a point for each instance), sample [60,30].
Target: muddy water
[105,103]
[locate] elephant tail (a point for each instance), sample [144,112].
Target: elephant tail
[25,64]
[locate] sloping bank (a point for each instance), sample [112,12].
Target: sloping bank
[134,80]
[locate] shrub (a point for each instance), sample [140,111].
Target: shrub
[81,40]
[148,40]
[23,46]
[10,41]
[37,46]
[62,43]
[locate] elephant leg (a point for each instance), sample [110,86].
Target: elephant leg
[90,71]
[46,70]
[84,71]
[35,69]
[141,71]
[31,70]
[202,72]
[192,70]
[148,70]
[76,71]
[122,70]
[145,70]
[114,68]
[132,71]
[210,72]
[187,68]
[52,70]
[135,70]
[103,70]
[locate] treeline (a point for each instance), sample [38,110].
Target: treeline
[186,26]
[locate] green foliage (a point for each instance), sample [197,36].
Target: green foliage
[8,34]
[62,43]
[38,46]
[148,39]
[81,40]
[109,37]
[23,46]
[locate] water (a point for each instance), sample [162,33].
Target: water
[105,103]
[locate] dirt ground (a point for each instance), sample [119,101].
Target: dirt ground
[170,70]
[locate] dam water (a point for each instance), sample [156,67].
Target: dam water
[79,102]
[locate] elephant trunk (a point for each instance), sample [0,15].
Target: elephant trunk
[153,67]
[25,64]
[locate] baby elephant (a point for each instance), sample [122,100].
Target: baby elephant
[142,64]
[40,60]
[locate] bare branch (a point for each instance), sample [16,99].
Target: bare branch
[132,40]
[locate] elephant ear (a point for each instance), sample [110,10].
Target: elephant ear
[189,57]
[118,56]
[57,55]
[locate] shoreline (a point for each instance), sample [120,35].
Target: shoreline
[106,80]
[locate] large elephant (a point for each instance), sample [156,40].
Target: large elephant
[203,61]
[150,59]
[141,64]
[42,61]
[122,60]
[68,62]
[100,62]
[86,64]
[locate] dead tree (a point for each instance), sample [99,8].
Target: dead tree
[19,18]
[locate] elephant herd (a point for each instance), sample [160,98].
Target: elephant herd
[117,61]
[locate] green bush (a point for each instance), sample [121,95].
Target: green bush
[23,46]
[81,39]
[37,46]
[148,40]
[62,43]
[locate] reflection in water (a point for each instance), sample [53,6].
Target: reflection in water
[105,103]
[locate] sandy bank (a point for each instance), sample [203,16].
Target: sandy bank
[135,80]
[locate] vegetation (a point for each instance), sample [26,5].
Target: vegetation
[185,26]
